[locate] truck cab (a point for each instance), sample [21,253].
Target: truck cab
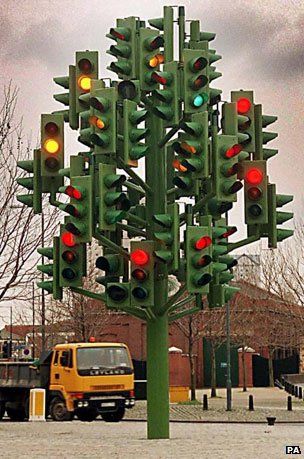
[91,378]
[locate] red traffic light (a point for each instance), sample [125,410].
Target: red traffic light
[159,78]
[229,232]
[233,151]
[73,192]
[254,176]
[203,243]
[155,43]
[68,239]
[198,64]
[243,105]
[139,257]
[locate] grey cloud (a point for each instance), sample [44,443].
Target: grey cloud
[273,44]
[42,42]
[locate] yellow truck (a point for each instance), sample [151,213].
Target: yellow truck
[82,379]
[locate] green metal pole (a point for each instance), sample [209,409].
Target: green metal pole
[157,328]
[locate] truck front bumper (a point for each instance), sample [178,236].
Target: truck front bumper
[105,404]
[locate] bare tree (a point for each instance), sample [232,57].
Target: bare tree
[190,326]
[20,232]
[213,329]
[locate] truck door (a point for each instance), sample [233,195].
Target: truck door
[62,367]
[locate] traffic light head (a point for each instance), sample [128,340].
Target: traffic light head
[255,187]
[52,146]
[113,203]
[142,273]
[134,149]
[80,208]
[118,295]
[52,253]
[86,70]
[198,258]
[102,120]
[226,152]
[245,118]
[31,183]
[150,58]
[167,106]
[196,81]
[72,259]
[124,50]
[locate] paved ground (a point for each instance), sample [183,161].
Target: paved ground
[128,440]
[210,437]
[267,402]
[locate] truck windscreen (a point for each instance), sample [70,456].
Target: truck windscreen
[103,360]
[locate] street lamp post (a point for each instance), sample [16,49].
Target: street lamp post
[228,381]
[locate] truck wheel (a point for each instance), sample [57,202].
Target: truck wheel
[16,415]
[114,417]
[2,410]
[88,415]
[58,410]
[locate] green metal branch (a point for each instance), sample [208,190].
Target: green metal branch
[172,300]
[132,229]
[134,176]
[93,295]
[53,201]
[181,314]
[197,207]
[171,191]
[136,219]
[169,135]
[111,245]
[136,312]
[134,187]
[248,240]
[180,303]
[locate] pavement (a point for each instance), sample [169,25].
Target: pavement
[195,433]
[124,440]
[267,402]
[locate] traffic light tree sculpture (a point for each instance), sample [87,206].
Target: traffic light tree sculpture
[164,114]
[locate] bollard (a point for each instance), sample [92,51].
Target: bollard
[205,402]
[292,389]
[271,420]
[300,395]
[289,403]
[296,391]
[251,408]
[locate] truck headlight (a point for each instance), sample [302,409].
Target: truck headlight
[80,404]
[85,403]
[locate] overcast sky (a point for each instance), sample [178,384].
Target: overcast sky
[262,44]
